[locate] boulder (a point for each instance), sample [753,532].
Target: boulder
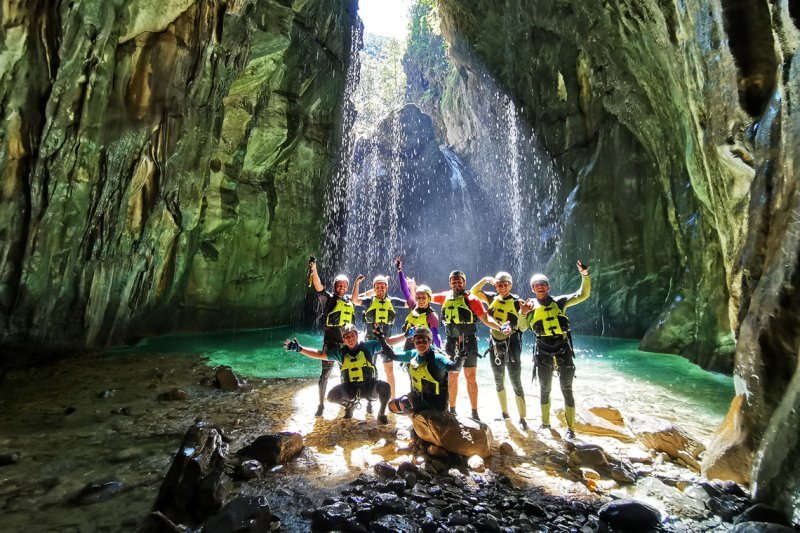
[730,454]
[629,515]
[666,437]
[601,421]
[226,379]
[241,514]
[201,456]
[275,449]
[456,434]
[761,527]
[763,513]
[588,455]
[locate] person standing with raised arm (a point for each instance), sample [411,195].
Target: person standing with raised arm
[460,309]
[378,314]
[337,312]
[421,314]
[553,350]
[505,347]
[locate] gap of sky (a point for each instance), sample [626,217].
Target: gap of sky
[385,17]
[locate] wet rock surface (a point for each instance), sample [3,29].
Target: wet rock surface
[354,475]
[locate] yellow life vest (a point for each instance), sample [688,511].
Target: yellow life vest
[504,310]
[419,373]
[380,312]
[416,318]
[341,314]
[353,366]
[457,311]
[549,320]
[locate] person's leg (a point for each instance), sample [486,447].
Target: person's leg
[566,374]
[514,365]
[383,392]
[452,378]
[470,372]
[388,369]
[344,397]
[497,361]
[544,369]
[322,384]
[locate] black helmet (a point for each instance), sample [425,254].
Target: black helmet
[458,274]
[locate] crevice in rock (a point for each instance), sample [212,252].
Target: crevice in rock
[748,26]
[794,12]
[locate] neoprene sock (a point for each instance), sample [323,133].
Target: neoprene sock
[545,414]
[522,409]
[569,413]
[501,395]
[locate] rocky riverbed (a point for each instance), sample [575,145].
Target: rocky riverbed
[86,444]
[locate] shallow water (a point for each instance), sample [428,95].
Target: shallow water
[609,371]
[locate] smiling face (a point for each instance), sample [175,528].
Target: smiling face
[541,289]
[422,343]
[380,289]
[503,288]
[457,284]
[422,299]
[340,287]
[350,339]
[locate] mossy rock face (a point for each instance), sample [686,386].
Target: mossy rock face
[164,168]
[674,123]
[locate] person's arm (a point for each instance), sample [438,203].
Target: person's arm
[396,339]
[355,297]
[476,289]
[477,308]
[382,344]
[312,265]
[451,365]
[291,345]
[433,324]
[522,319]
[586,287]
[401,277]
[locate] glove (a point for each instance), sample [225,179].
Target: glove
[293,346]
[505,329]
[376,329]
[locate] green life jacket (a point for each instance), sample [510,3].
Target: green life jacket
[549,320]
[457,316]
[341,314]
[416,318]
[504,310]
[357,368]
[423,381]
[380,312]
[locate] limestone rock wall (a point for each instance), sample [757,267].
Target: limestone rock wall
[676,122]
[159,162]
[639,108]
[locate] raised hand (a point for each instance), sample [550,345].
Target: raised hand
[583,268]
[291,345]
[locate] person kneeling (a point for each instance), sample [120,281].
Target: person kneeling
[359,376]
[428,371]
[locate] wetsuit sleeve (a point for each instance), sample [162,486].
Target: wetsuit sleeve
[403,357]
[374,348]
[439,297]
[404,289]
[476,305]
[334,354]
[445,363]
[433,324]
[581,295]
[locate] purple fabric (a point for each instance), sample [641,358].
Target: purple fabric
[404,289]
[433,318]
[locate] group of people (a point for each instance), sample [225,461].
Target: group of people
[434,373]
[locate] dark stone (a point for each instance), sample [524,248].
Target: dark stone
[201,455]
[630,515]
[458,518]
[108,393]
[761,527]
[354,525]
[241,515]
[394,524]
[588,455]
[763,513]
[407,466]
[212,491]
[533,508]
[9,458]
[97,492]
[330,517]
[388,503]
[384,469]
[174,395]
[226,379]
[725,508]
[249,469]
[365,512]
[731,487]
[274,449]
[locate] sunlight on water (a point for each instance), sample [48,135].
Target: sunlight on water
[609,371]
